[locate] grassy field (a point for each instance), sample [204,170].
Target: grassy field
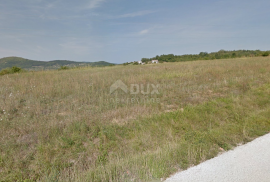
[66,126]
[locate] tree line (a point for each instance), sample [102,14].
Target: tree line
[222,54]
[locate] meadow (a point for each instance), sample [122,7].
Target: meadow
[67,126]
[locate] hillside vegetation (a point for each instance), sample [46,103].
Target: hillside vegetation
[9,62]
[222,54]
[67,126]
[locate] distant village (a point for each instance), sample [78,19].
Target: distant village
[142,63]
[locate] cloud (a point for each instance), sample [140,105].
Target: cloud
[144,32]
[134,14]
[94,4]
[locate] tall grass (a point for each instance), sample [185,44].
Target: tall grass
[66,126]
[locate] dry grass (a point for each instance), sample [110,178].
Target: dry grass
[66,126]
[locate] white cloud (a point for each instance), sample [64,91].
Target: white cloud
[140,13]
[144,32]
[132,15]
[93,4]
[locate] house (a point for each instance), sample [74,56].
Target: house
[155,61]
[140,62]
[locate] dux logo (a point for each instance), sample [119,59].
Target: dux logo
[135,88]
[118,84]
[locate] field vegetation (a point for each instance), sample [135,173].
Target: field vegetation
[67,126]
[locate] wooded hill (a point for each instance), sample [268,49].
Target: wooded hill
[8,62]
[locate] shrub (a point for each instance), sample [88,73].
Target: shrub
[14,69]
[63,68]
[265,54]
[4,72]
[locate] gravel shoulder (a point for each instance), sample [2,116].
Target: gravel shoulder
[246,163]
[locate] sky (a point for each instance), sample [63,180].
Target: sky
[119,31]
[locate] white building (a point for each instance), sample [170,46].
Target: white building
[155,61]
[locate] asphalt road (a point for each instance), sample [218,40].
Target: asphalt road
[246,163]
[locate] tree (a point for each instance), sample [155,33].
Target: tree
[203,54]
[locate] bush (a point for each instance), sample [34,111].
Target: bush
[63,68]
[265,54]
[4,72]
[14,69]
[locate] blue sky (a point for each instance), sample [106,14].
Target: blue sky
[124,30]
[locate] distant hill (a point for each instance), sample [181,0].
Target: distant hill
[39,65]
